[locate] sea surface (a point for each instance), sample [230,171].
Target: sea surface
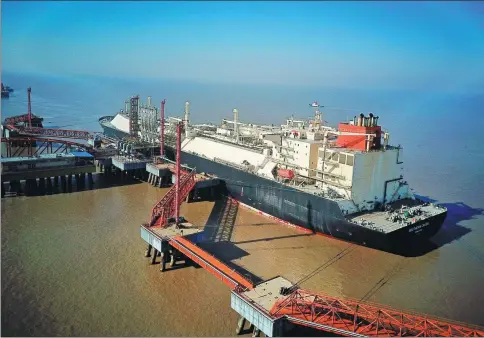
[72,264]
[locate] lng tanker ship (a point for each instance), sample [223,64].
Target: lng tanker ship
[345,182]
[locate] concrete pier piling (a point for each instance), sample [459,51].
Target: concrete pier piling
[240,325]
[31,187]
[90,181]
[49,186]
[173,258]
[164,258]
[148,251]
[3,189]
[69,183]
[14,186]
[82,178]
[153,258]
[42,186]
[64,183]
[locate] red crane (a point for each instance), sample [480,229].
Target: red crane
[177,170]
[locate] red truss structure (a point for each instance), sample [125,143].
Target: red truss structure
[61,133]
[19,119]
[356,318]
[166,207]
[37,146]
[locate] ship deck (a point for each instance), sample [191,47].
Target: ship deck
[380,219]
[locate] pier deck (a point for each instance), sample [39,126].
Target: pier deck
[128,163]
[46,165]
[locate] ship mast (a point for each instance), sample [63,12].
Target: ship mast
[317,122]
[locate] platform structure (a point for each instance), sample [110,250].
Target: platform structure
[174,243]
[273,303]
[125,163]
[162,172]
[61,167]
[48,165]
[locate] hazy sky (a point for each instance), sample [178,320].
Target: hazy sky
[354,44]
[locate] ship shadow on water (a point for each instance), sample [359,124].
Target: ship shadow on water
[451,231]
[218,232]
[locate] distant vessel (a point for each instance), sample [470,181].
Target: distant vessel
[345,182]
[116,126]
[6,90]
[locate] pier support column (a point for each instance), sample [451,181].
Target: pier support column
[56,181]
[63,183]
[31,186]
[90,181]
[173,258]
[42,186]
[78,181]
[69,183]
[256,332]
[164,257]
[14,186]
[148,251]
[49,186]
[3,189]
[153,258]
[149,178]
[240,325]
[160,184]
[82,177]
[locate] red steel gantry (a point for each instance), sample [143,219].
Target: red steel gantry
[352,316]
[169,205]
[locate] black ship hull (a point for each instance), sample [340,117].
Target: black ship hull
[310,212]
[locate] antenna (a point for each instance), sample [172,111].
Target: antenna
[162,128]
[29,107]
